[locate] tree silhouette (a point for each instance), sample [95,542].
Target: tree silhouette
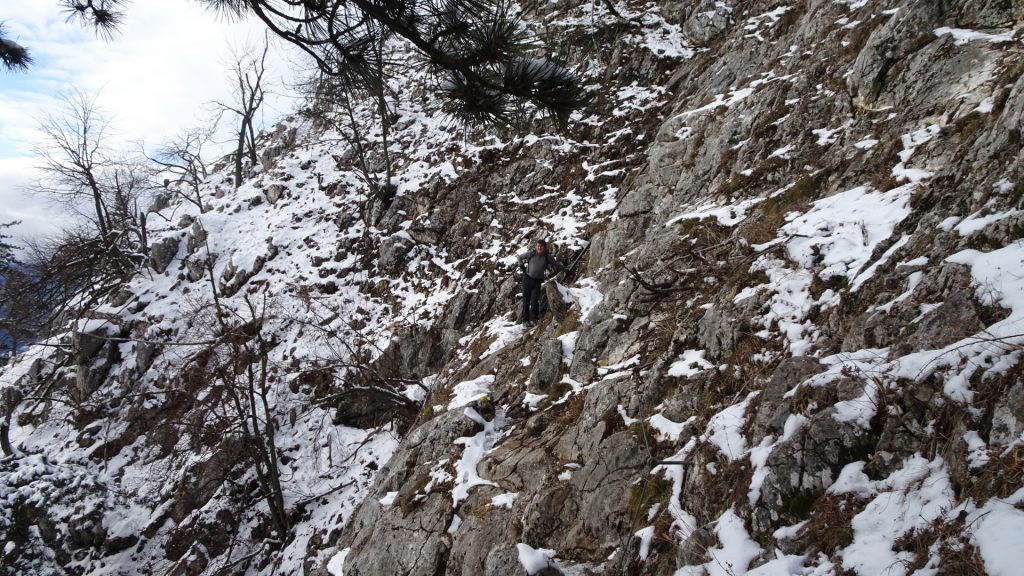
[480,55]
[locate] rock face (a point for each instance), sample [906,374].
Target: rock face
[793,346]
[674,283]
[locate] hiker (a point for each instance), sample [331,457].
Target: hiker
[534,263]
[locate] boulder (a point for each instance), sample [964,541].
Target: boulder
[162,252]
[548,366]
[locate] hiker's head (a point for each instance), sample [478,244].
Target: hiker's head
[541,246]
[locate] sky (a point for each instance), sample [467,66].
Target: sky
[154,78]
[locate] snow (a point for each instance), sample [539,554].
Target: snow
[859,410]
[618,369]
[986,106]
[836,237]
[666,429]
[470,391]
[782,565]
[977,450]
[826,137]
[789,532]
[948,223]
[727,215]
[533,560]
[645,535]
[725,429]
[910,498]
[911,142]
[626,420]
[455,525]
[840,232]
[755,25]
[866,275]
[505,500]
[585,295]
[722,100]
[784,152]
[476,447]
[568,341]
[976,222]
[996,530]
[962,36]
[504,332]
[919,261]
[335,567]
[532,401]
[690,363]
[912,282]
[760,453]
[855,4]
[736,549]
[853,480]
[866,144]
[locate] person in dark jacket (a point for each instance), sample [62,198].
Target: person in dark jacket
[534,265]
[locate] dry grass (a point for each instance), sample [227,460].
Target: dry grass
[967,126]
[957,557]
[568,413]
[807,398]
[407,501]
[714,493]
[1000,478]
[642,496]
[829,528]
[771,213]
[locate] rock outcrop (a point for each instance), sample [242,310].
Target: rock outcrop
[793,347]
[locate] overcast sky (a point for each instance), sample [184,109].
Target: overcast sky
[153,79]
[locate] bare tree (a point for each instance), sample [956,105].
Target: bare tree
[8,266]
[247,76]
[79,170]
[237,365]
[183,158]
[71,159]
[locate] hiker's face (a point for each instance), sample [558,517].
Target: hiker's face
[540,248]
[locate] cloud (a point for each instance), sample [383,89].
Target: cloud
[155,78]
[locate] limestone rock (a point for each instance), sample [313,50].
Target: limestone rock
[162,252]
[548,366]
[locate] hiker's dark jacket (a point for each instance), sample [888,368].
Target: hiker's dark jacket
[536,264]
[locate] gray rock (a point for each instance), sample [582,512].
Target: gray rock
[161,201]
[694,550]
[603,484]
[275,192]
[716,332]
[805,465]
[196,238]
[1008,417]
[503,560]
[773,409]
[548,366]
[162,252]
[954,320]
[393,251]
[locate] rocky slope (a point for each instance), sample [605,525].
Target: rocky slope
[793,347]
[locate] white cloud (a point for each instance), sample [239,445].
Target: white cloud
[153,79]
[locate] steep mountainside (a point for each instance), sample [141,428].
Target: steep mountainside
[792,347]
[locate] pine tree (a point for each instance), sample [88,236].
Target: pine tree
[102,15]
[482,58]
[13,56]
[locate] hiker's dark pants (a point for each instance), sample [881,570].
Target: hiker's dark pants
[531,298]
